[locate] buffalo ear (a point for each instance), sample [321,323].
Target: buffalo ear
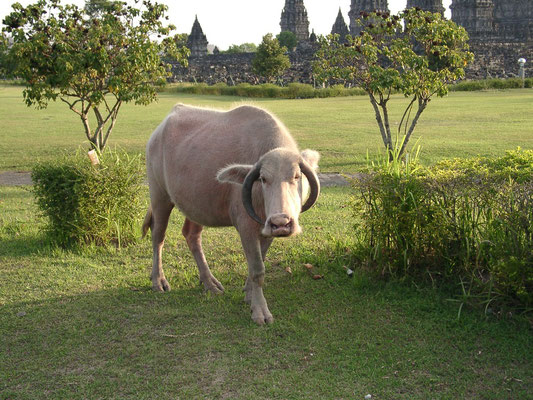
[311,157]
[233,173]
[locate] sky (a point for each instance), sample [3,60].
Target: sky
[227,22]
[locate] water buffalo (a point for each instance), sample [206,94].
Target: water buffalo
[237,168]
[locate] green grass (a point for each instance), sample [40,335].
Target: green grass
[342,129]
[76,325]
[85,324]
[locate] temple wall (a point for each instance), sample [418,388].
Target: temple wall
[492,60]
[237,68]
[499,59]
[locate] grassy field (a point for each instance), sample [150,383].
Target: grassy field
[84,324]
[77,325]
[342,129]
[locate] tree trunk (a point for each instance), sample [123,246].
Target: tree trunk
[386,138]
[422,104]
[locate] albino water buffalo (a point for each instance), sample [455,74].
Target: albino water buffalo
[221,168]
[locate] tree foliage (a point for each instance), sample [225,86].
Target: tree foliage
[94,65]
[287,39]
[241,48]
[270,60]
[96,8]
[416,53]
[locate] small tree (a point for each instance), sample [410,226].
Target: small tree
[416,53]
[91,64]
[270,60]
[96,8]
[287,39]
[241,48]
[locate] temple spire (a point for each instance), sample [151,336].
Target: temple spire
[340,28]
[359,6]
[434,6]
[197,41]
[294,19]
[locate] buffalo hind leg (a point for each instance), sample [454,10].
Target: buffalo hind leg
[193,235]
[159,223]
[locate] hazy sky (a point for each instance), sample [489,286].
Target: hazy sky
[227,22]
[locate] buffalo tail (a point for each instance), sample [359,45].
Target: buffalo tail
[147,221]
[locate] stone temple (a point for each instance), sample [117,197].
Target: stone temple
[197,41]
[294,19]
[495,19]
[359,6]
[489,20]
[435,6]
[340,28]
[501,32]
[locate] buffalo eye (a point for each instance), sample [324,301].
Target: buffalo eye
[262,180]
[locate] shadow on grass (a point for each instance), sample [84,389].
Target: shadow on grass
[15,244]
[333,338]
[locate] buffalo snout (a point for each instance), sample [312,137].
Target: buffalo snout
[280,225]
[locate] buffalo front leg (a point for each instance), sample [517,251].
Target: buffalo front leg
[256,276]
[159,223]
[265,245]
[193,235]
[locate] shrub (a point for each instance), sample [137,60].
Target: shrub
[498,84]
[512,83]
[460,220]
[294,90]
[297,90]
[304,91]
[269,90]
[242,89]
[468,86]
[99,204]
[300,91]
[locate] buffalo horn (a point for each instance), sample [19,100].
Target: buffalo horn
[247,186]
[313,184]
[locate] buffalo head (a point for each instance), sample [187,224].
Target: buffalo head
[280,173]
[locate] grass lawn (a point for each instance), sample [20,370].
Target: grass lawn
[86,325]
[342,129]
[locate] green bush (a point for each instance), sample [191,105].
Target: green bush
[498,84]
[268,90]
[468,86]
[460,220]
[242,89]
[99,204]
[300,91]
[512,83]
[305,91]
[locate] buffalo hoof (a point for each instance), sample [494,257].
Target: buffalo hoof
[160,285]
[211,284]
[262,316]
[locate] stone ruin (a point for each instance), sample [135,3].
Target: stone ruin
[294,19]
[501,32]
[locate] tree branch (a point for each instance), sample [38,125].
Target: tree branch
[72,105]
[383,105]
[114,114]
[406,112]
[422,104]
[379,119]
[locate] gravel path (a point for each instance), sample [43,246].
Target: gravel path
[11,178]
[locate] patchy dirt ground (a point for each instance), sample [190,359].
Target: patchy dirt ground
[12,178]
